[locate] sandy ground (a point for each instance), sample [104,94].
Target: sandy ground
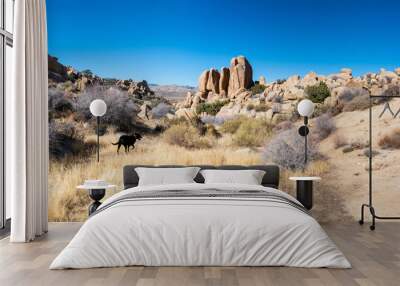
[348,176]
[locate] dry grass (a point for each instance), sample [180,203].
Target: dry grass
[231,126]
[187,136]
[252,133]
[390,140]
[68,204]
[247,132]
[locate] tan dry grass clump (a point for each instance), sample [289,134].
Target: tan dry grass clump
[252,133]
[186,135]
[247,132]
[231,126]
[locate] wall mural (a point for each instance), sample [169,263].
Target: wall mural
[229,118]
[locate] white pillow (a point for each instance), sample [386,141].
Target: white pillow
[166,176]
[248,177]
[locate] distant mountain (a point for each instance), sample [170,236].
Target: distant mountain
[172,92]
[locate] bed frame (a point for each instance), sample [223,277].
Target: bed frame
[270,179]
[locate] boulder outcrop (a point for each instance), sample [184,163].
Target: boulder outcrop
[224,81]
[203,79]
[213,81]
[279,99]
[241,75]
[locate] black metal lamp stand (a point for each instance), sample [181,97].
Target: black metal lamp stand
[303,131]
[98,138]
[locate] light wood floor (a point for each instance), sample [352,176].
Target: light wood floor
[375,257]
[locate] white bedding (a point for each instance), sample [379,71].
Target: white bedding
[200,231]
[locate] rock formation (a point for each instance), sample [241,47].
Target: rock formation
[203,79]
[224,82]
[213,81]
[57,71]
[279,99]
[241,75]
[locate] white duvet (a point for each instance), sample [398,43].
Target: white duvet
[200,231]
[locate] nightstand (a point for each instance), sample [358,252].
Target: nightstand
[304,190]
[96,193]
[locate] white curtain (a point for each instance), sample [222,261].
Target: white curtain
[27,123]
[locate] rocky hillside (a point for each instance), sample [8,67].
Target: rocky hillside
[73,84]
[276,101]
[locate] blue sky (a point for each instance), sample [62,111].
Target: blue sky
[172,42]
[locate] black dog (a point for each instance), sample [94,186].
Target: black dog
[127,141]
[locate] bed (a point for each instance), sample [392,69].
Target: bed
[199,224]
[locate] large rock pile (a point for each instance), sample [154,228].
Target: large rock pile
[228,83]
[138,89]
[280,98]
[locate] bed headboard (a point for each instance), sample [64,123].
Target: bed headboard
[271,177]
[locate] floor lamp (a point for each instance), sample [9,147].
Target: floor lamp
[305,109]
[98,108]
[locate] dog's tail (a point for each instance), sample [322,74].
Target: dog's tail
[115,143]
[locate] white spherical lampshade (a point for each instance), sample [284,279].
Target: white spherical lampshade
[305,108]
[98,107]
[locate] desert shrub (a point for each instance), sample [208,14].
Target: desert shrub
[186,135]
[257,88]
[393,90]
[261,107]
[324,126]
[121,110]
[277,99]
[59,104]
[211,108]
[211,131]
[357,103]
[161,110]
[287,150]
[168,122]
[250,106]
[252,133]
[280,81]
[276,107]
[339,141]
[390,140]
[349,94]
[65,140]
[283,126]
[318,92]
[231,126]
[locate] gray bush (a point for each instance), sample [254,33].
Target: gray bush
[161,110]
[121,110]
[348,94]
[59,104]
[324,126]
[287,150]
